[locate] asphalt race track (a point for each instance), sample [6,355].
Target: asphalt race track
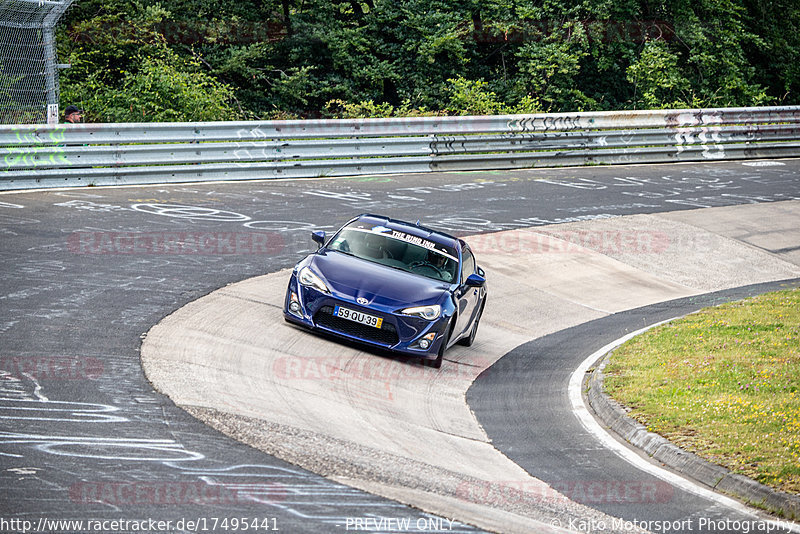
[537,374]
[86,272]
[229,359]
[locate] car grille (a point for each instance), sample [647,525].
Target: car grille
[386,334]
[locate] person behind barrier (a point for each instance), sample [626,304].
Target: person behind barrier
[73,114]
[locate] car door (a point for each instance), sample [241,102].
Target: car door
[467,297]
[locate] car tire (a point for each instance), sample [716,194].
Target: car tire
[437,363]
[470,339]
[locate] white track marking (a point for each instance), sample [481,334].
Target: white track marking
[593,427]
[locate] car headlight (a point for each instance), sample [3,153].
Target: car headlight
[426,312]
[307,277]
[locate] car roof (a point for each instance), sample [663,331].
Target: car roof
[413,229]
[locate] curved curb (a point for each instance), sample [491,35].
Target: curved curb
[719,478]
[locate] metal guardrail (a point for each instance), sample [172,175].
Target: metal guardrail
[110,154]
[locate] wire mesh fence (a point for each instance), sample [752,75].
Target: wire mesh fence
[28,63]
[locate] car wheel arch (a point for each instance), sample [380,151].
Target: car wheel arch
[451,327]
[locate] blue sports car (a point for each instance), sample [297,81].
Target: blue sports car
[389,284]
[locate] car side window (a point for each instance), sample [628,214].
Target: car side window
[467,264]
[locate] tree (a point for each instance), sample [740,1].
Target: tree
[311,58]
[123,70]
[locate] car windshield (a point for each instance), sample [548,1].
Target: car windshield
[399,250]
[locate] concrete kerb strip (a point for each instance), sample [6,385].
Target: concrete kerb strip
[614,416]
[176,355]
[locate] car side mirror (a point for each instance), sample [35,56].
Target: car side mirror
[318,237]
[475,280]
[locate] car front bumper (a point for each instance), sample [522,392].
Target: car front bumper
[399,333]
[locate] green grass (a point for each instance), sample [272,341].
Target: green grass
[723,383]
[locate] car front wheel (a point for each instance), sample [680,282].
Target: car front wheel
[437,363]
[469,340]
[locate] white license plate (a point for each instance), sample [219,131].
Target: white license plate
[357,317]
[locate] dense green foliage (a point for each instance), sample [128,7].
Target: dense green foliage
[232,59]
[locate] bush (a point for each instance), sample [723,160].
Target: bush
[161,91]
[130,74]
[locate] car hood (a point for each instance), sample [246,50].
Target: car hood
[352,278]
